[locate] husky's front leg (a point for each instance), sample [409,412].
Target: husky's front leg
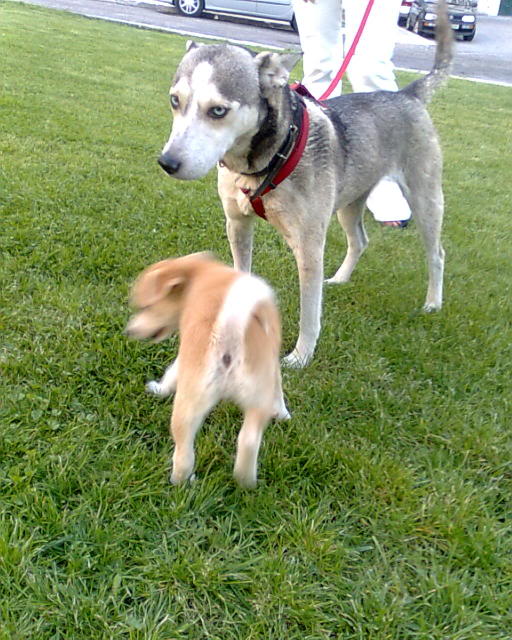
[239,224]
[308,253]
[240,234]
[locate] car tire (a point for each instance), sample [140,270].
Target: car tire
[469,38]
[189,8]
[293,24]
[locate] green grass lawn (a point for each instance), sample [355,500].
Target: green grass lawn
[384,506]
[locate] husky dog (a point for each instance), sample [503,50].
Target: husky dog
[236,109]
[230,335]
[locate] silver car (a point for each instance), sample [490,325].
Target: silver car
[265,9]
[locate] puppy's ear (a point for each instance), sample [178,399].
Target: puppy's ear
[274,69]
[154,285]
[202,255]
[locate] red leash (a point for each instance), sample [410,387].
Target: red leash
[350,52]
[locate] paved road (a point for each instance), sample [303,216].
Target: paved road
[486,58]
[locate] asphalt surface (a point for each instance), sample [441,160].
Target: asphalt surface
[486,58]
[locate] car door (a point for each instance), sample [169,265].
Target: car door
[277,9]
[243,7]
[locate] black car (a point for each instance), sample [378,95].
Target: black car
[423,13]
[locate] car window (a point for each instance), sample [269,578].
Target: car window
[468,4]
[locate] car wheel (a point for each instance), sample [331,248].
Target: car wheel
[469,38]
[190,8]
[293,24]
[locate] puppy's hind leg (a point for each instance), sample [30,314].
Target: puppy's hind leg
[167,384]
[280,410]
[249,441]
[351,220]
[187,418]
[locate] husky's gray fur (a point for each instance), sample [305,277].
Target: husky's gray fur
[233,107]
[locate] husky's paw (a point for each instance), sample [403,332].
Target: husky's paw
[294,360]
[430,307]
[334,280]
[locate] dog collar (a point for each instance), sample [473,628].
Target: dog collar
[284,161]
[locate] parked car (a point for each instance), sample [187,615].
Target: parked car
[423,13]
[405,7]
[264,9]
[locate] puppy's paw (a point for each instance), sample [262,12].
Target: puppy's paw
[283,414]
[154,388]
[158,389]
[179,479]
[245,481]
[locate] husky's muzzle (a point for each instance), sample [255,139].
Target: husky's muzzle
[169,164]
[188,163]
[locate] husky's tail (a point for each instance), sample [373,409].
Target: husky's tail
[425,87]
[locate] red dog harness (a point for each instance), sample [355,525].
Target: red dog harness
[286,159]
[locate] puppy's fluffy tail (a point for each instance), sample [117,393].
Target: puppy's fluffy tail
[242,299]
[424,88]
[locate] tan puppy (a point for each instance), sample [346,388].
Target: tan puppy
[230,336]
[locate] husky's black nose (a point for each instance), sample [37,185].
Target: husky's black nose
[169,165]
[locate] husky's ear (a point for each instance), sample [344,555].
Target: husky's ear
[274,69]
[190,44]
[289,60]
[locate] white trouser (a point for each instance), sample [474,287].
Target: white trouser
[321,39]
[370,69]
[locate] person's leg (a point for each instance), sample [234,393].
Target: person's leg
[371,69]
[387,203]
[320,33]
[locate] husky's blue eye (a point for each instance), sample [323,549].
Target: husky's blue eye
[175,101]
[217,112]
